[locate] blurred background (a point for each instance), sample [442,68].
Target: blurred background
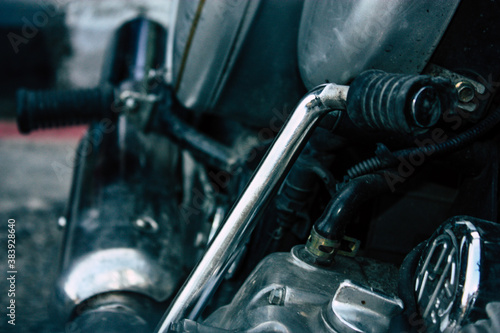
[57,44]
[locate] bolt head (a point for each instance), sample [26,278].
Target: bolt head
[131,104]
[62,222]
[277,296]
[465,91]
[146,224]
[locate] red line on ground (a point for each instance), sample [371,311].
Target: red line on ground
[8,130]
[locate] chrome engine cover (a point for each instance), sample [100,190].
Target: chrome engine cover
[286,294]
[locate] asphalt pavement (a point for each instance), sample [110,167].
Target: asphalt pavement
[33,194]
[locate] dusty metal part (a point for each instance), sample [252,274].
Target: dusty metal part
[114,269]
[340,39]
[299,297]
[467,88]
[456,78]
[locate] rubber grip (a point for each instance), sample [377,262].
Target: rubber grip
[49,108]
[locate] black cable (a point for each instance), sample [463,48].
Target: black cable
[376,163]
[345,204]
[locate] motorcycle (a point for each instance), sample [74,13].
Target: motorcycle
[298,166]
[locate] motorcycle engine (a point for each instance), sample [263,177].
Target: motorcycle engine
[325,217]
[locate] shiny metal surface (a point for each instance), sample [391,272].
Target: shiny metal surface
[115,269]
[355,308]
[299,297]
[449,276]
[115,242]
[208,37]
[222,51]
[340,39]
[241,220]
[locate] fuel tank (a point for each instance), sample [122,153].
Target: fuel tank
[249,59]
[238,58]
[340,39]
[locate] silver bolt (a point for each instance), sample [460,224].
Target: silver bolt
[277,296]
[61,222]
[200,240]
[131,104]
[465,91]
[146,224]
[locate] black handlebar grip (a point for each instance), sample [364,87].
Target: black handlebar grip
[45,109]
[408,104]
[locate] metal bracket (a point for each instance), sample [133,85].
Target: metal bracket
[467,88]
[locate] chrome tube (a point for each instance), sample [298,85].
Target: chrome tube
[241,220]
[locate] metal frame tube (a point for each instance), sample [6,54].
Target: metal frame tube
[241,220]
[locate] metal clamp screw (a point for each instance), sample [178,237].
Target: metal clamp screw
[322,248]
[277,296]
[146,224]
[62,222]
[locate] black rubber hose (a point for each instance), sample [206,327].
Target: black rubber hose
[44,109]
[376,163]
[343,207]
[303,178]
[410,320]
[399,103]
[406,281]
